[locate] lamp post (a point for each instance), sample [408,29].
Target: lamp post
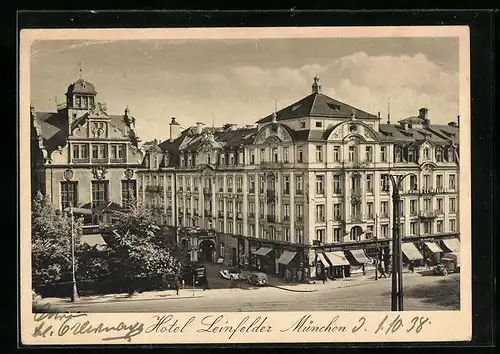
[74,297]
[397,273]
[376,247]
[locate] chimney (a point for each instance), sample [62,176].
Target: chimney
[174,129]
[424,114]
[199,128]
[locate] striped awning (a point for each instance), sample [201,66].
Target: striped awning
[411,251]
[286,257]
[263,251]
[453,244]
[323,260]
[337,258]
[360,256]
[434,248]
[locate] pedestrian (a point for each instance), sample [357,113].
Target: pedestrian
[363,268]
[412,267]
[382,271]
[205,283]
[177,285]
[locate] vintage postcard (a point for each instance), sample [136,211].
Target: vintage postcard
[245,185]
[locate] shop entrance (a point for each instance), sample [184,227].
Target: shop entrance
[207,249]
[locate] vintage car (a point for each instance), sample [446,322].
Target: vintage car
[257,278]
[230,274]
[449,263]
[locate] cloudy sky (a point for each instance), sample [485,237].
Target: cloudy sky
[238,80]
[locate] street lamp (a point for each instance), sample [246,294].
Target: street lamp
[74,298]
[397,265]
[376,247]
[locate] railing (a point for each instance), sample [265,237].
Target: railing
[239,190]
[286,192]
[299,219]
[239,216]
[337,218]
[154,189]
[428,213]
[271,218]
[220,214]
[208,213]
[286,218]
[81,160]
[251,215]
[384,215]
[272,164]
[99,160]
[196,189]
[230,190]
[369,190]
[337,191]
[428,190]
[181,189]
[299,192]
[370,216]
[357,218]
[320,219]
[188,189]
[207,191]
[230,214]
[118,160]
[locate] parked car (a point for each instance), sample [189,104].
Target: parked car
[449,263]
[231,274]
[258,278]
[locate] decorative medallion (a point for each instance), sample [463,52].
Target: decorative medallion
[129,173]
[353,128]
[68,175]
[99,172]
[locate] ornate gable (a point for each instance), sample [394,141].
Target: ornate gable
[353,130]
[273,134]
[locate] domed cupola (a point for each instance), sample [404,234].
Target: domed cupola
[81,95]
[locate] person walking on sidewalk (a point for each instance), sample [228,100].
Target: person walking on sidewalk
[177,284]
[381,271]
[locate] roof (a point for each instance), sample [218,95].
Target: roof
[81,86]
[54,129]
[94,240]
[319,105]
[437,134]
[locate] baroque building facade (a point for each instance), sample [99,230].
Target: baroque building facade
[84,157]
[307,186]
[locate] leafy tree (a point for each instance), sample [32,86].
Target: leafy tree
[137,248]
[51,242]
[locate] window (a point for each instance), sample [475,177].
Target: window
[230,227]
[352,152]
[129,193]
[239,183]
[319,153]
[369,183]
[69,194]
[262,156]
[221,226]
[336,184]
[251,208]
[99,192]
[285,154]
[336,211]
[453,205]
[262,232]
[413,207]
[413,228]
[220,183]
[286,212]
[413,183]
[320,185]
[299,212]
[369,154]
[411,155]
[336,235]
[451,155]
[286,232]
[384,230]
[221,250]
[320,235]
[439,155]
[299,184]
[80,151]
[425,153]
[398,157]
[453,225]
[370,210]
[252,230]
[319,124]
[209,159]
[261,184]
[231,159]
[261,209]
[251,184]
[299,236]
[222,159]
[239,228]
[320,213]
[439,181]
[384,183]
[302,125]
[452,180]
[336,153]
[118,151]
[286,185]
[99,151]
[427,227]
[439,226]
[275,155]
[252,157]
[383,154]
[384,209]
[427,204]
[300,154]
[440,205]
[427,182]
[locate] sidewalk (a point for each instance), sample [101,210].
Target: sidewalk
[189,293]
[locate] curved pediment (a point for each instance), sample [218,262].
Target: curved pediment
[273,134]
[427,166]
[347,130]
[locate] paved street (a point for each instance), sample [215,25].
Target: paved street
[421,293]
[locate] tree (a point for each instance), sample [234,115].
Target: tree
[51,242]
[137,249]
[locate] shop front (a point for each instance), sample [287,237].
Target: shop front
[338,264]
[412,255]
[451,245]
[265,259]
[289,262]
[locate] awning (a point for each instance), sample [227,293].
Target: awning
[434,248]
[453,244]
[411,252]
[360,256]
[81,211]
[323,260]
[94,240]
[286,257]
[337,258]
[263,251]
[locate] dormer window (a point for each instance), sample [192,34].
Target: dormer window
[425,153]
[208,159]
[222,159]
[231,159]
[302,125]
[411,155]
[319,124]
[439,155]
[78,101]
